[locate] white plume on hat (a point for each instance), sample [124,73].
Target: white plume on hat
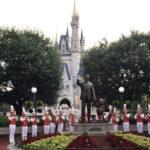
[138,106]
[149,106]
[46,109]
[115,109]
[33,111]
[23,110]
[125,105]
[52,109]
[11,108]
[110,107]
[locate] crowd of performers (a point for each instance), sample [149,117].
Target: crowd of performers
[53,122]
[125,116]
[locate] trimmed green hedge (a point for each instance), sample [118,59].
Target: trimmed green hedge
[4,121]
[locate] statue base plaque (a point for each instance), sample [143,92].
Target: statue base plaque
[93,128]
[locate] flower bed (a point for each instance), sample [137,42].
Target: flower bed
[57,141]
[83,141]
[32,139]
[118,142]
[48,142]
[139,140]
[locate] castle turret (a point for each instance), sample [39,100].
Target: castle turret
[75,44]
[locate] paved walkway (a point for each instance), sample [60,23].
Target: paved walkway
[3,142]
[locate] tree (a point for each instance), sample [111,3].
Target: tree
[125,62]
[28,59]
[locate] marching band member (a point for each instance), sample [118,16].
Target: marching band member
[34,122]
[125,117]
[12,124]
[60,120]
[53,120]
[46,121]
[139,116]
[24,123]
[72,119]
[115,120]
[148,120]
[108,117]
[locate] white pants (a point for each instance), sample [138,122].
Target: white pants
[52,127]
[24,132]
[60,127]
[115,127]
[12,129]
[140,127]
[71,128]
[148,127]
[126,126]
[34,130]
[46,129]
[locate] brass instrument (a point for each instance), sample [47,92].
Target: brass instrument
[109,116]
[60,119]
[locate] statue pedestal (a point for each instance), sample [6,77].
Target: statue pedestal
[93,128]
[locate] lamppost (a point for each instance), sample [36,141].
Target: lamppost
[34,90]
[121,90]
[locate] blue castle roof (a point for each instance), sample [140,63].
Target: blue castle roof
[65,38]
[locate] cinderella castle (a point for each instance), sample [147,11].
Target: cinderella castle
[71,48]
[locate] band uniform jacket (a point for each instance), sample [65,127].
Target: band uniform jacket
[87,90]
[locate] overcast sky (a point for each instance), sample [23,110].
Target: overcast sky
[98,18]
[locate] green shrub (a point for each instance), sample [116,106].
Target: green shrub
[4,121]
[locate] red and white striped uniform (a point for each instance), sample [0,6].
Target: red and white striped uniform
[34,122]
[139,121]
[148,123]
[60,120]
[12,126]
[24,123]
[126,124]
[72,119]
[115,119]
[46,122]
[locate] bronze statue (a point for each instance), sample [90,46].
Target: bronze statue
[99,104]
[87,96]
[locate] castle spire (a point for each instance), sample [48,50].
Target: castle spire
[75,13]
[56,37]
[67,32]
[81,35]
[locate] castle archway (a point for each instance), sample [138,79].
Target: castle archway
[65,102]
